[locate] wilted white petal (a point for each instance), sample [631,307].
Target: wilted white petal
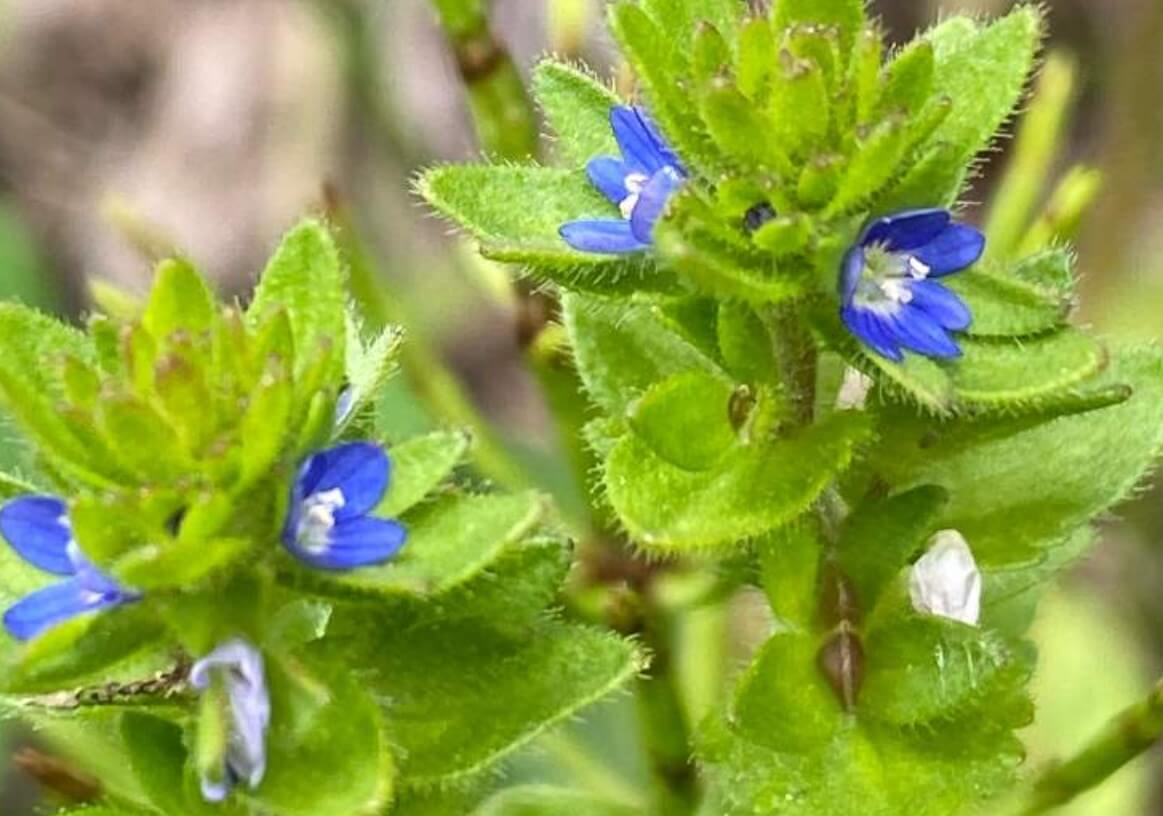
[945,581]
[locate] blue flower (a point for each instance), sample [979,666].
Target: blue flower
[38,529]
[889,298]
[239,667]
[328,525]
[640,183]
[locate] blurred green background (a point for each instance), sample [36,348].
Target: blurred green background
[129,128]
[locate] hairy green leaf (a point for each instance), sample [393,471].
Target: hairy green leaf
[577,107]
[686,419]
[419,466]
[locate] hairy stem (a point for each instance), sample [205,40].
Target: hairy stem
[1128,735]
[501,108]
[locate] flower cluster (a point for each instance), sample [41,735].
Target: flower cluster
[890,298]
[328,526]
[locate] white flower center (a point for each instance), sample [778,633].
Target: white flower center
[634,184]
[317,518]
[886,278]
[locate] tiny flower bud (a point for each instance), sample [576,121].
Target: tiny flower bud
[945,581]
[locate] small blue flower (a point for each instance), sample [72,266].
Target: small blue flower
[328,525]
[239,667]
[640,183]
[38,529]
[889,298]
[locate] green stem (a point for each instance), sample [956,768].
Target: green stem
[1034,155]
[1128,735]
[501,108]
[662,719]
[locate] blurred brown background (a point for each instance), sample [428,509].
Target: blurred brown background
[128,127]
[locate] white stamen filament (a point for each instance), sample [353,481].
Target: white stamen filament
[317,518]
[895,290]
[918,269]
[634,184]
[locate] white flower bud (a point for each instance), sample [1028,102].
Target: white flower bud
[945,581]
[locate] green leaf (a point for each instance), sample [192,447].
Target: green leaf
[848,15]
[908,80]
[732,121]
[789,565]
[368,368]
[745,343]
[180,300]
[1006,372]
[757,57]
[679,19]
[874,165]
[331,761]
[1020,487]
[543,800]
[755,488]
[880,536]
[888,773]
[983,71]
[657,55]
[88,648]
[922,669]
[686,419]
[143,441]
[1050,271]
[30,391]
[419,466]
[783,702]
[515,213]
[798,121]
[307,279]
[1005,306]
[158,756]
[624,348]
[446,720]
[450,541]
[577,107]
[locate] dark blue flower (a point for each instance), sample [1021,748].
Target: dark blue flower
[328,525]
[38,529]
[239,667]
[640,183]
[889,297]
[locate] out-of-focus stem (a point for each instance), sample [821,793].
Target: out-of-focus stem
[436,386]
[1062,216]
[1034,154]
[1128,735]
[501,108]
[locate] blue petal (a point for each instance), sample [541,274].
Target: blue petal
[850,272]
[609,175]
[360,470]
[652,201]
[240,665]
[917,331]
[956,247]
[639,140]
[869,329]
[943,306]
[602,235]
[906,230]
[46,607]
[357,542]
[37,528]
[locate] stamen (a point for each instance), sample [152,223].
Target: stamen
[896,291]
[634,183]
[317,518]
[918,269]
